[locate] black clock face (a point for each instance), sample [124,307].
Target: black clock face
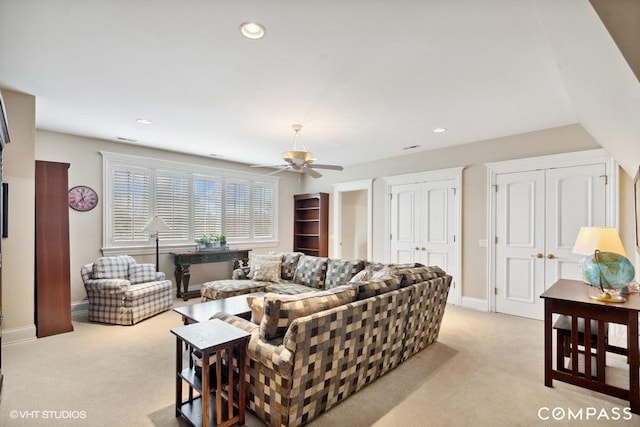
[82,198]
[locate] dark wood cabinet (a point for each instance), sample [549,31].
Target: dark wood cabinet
[311,224]
[53,280]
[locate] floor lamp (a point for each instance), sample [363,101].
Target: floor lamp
[155,226]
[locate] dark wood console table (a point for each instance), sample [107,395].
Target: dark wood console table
[571,298]
[183,261]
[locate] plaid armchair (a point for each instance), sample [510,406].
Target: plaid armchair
[123,292]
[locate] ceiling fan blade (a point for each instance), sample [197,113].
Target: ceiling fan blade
[268,166]
[321,166]
[279,170]
[311,172]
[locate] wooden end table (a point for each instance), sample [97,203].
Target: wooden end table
[571,298]
[236,305]
[211,337]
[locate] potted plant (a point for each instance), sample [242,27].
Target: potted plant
[221,239]
[203,241]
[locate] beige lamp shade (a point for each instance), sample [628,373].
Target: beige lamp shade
[604,239]
[155,225]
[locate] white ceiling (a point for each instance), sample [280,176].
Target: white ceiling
[365,78]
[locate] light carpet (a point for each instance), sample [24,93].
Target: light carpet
[486,370]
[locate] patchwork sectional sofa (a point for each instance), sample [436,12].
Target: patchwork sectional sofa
[331,335]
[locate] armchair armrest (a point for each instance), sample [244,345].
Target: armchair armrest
[107,285]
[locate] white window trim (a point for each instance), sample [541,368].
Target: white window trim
[110,159]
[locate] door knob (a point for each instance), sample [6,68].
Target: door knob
[424,249]
[417,248]
[539,255]
[551,256]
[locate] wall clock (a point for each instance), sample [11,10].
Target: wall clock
[82,198]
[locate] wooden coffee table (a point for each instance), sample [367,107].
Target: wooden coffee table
[202,312]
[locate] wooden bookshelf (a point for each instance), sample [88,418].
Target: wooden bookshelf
[311,224]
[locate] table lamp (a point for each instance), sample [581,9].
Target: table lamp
[606,267]
[155,225]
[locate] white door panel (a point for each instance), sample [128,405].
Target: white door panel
[520,244]
[423,220]
[538,216]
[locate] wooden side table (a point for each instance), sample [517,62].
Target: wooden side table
[571,298]
[211,337]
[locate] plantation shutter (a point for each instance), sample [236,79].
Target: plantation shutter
[237,210]
[263,216]
[172,204]
[130,207]
[207,206]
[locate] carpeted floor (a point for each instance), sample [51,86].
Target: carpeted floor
[486,370]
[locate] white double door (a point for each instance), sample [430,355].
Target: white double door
[538,216]
[423,224]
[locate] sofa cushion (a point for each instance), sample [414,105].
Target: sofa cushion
[289,264]
[311,271]
[142,273]
[259,258]
[361,276]
[339,271]
[412,275]
[371,288]
[281,310]
[372,267]
[267,271]
[219,289]
[112,267]
[289,288]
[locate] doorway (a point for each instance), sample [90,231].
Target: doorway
[353,220]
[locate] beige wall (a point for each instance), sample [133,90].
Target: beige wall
[474,206]
[18,249]
[85,228]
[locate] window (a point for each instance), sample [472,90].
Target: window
[193,200]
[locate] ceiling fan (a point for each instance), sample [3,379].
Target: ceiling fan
[299,160]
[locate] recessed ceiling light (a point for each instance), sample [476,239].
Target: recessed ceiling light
[252,30]
[144,121]
[439,130]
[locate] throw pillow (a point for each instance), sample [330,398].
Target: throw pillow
[381,273]
[112,267]
[281,310]
[256,304]
[340,271]
[267,271]
[360,277]
[142,273]
[257,259]
[311,271]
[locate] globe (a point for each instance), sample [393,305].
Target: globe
[609,269]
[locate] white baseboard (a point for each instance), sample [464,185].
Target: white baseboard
[16,335]
[474,303]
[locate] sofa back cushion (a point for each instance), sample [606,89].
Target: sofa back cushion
[373,287]
[311,271]
[281,310]
[112,267]
[416,274]
[339,271]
